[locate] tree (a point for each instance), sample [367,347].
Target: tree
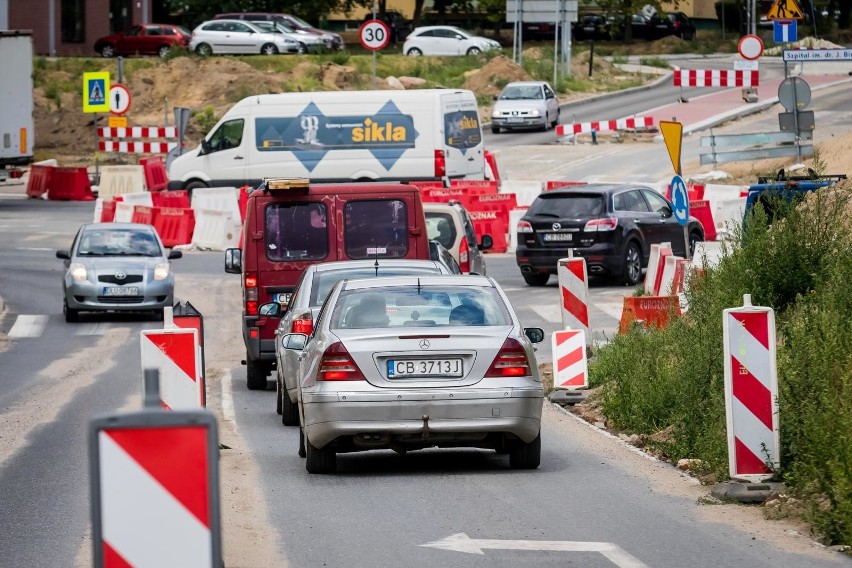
[192,12]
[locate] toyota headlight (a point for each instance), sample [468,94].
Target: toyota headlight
[78,272]
[161,271]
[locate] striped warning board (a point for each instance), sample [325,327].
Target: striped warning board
[155,489]
[632,123]
[175,353]
[716,78]
[574,294]
[751,391]
[570,366]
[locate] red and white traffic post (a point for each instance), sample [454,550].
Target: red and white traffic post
[751,391]
[175,352]
[574,294]
[155,487]
[570,364]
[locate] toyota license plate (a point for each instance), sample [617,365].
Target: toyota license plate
[558,237]
[123,291]
[418,368]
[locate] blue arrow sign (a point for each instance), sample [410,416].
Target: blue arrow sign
[784,31]
[680,200]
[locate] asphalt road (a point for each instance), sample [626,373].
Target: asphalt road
[382,508]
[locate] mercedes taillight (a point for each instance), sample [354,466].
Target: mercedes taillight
[305,325]
[440,164]
[337,365]
[251,293]
[511,361]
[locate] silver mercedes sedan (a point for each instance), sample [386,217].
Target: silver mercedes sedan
[407,363]
[116,267]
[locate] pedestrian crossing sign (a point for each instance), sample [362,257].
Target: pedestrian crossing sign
[96,91]
[785,10]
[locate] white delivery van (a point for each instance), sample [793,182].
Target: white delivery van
[429,134]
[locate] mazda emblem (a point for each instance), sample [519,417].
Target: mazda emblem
[557,226]
[424,344]
[120,275]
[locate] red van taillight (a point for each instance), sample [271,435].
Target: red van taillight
[251,294]
[440,164]
[305,326]
[337,365]
[464,256]
[511,361]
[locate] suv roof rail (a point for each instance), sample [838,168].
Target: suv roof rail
[812,176]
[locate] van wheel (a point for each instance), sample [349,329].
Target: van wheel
[268,49]
[255,375]
[203,49]
[535,278]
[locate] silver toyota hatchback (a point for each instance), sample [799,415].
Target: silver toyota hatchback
[407,363]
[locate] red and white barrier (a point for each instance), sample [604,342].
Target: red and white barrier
[715,78]
[137,147]
[118,180]
[123,212]
[605,126]
[574,294]
[174,352]
[673,274]
[655,265]
[570,365]
[751,391]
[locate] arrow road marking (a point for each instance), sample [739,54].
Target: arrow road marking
[462,543]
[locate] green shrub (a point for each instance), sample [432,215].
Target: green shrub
[206,119]
[654,62]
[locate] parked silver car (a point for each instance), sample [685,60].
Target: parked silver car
[116,267]
[407,363]
[238,37]
[308,42]
[316,282]
[525,104]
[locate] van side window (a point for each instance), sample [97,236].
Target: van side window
[229,135]
[462,130]
[375,228]
[296,231]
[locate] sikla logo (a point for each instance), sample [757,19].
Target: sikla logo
[468,123]
[373,131]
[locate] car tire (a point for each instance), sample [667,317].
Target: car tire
[107,51]
[555,122]
[279,401]
[268,49]
[535,278]
[302,451]
[203,49]
[694,238]
[631,264]
[495,129]
[414,52]
[303,49]
[163,52]
[525,456]
[474,51]
[71,315]
[289,410]
[319,460]
[255,375]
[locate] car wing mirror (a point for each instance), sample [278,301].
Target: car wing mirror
[487,242]
[233,261]
[205,147]
[495,97]
[271,309]
[175,254]
[63,254]
[534,334]
[296,341]
[665,212]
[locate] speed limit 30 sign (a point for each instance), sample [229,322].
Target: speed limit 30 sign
[374,35]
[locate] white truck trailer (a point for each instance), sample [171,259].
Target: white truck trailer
[17,132]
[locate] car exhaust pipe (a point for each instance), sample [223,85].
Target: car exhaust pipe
[526,269]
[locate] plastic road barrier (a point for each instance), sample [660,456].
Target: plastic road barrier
[654,265]
[715,78]
[570,365]
[574,294]
[176,198]
[38,181]
[701,211]
[751,391]
[652,311]
[215,230]
[123,212]
[494,224]
[118,180]
[605,125]
[216,199]
[69,184]
[175,226]
[156,177]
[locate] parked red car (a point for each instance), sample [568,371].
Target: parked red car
[144,39]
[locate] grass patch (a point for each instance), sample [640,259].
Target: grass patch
[654,62]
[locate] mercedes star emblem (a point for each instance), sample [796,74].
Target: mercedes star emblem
[120,275]
[424,344]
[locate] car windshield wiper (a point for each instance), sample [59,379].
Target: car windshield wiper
[127,253]
[90,253]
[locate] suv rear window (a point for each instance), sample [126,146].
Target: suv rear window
[571,205]
[440,227]
[296,231]
[375,228]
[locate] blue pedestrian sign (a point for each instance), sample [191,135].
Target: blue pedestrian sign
[785,31]
[96,91]
[680,200]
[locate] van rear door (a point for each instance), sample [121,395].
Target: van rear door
[462,142]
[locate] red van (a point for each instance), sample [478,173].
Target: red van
[291,224]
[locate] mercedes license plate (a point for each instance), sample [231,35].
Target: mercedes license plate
[123,291]
[416,368]
[558,237]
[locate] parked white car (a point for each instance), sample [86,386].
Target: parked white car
[445,40]
[237,37]
[525,104]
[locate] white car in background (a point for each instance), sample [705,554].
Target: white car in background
[525,104]
[445,40]
[218,37]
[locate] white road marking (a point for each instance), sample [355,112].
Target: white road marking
[227,399]
[28,326]
[611,309]
[99,328]
[548,313]
[463,543]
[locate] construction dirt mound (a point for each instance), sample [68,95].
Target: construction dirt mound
[494,75]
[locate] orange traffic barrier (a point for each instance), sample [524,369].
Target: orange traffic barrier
[242,200]
[175,225]
[701,211]
[445,195]
[556,184]
[661,266]
[426,184]
[491,161]
[476,187]
[502,202]
[695,192]
[492,223]
[108,211]
[39,178]
[651,311]
[156,178]
[70,184]
[144,214]
[175,198]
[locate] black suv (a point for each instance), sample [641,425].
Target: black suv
[612,226]
[671,23]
